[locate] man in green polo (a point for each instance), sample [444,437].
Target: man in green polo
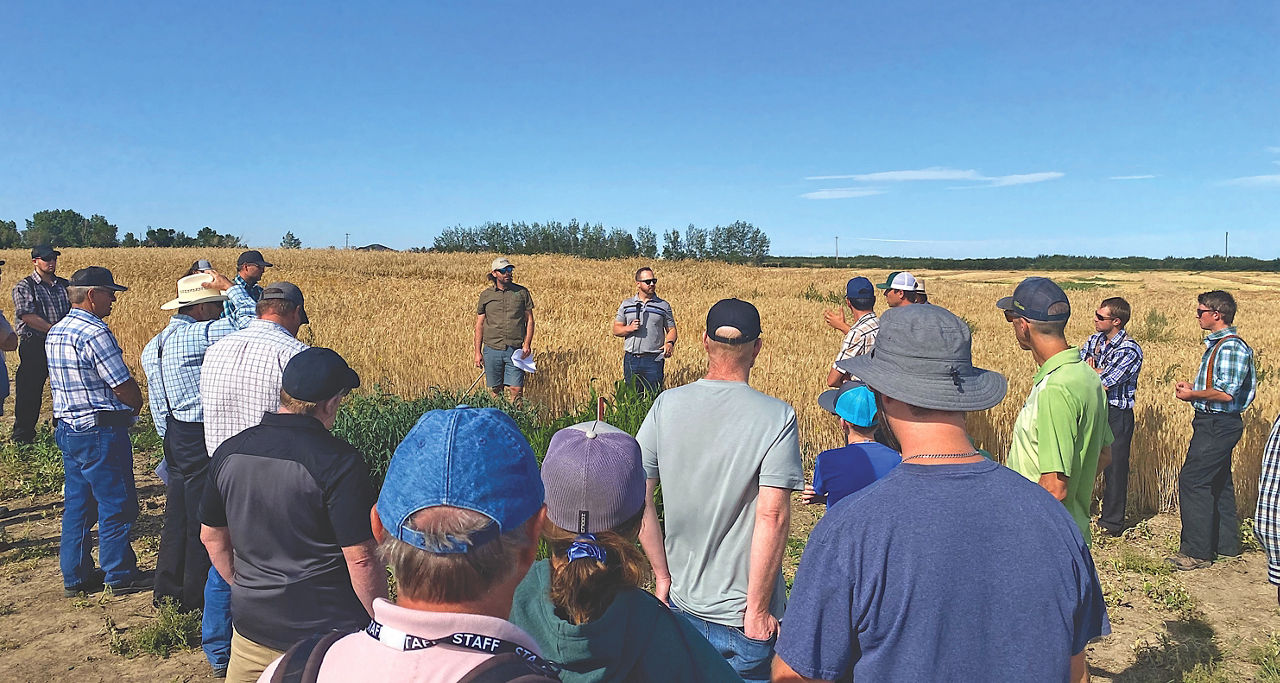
[1062,432]
[504,327]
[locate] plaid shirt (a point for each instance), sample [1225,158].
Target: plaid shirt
[85,363]
[229,307]
[1233,374]
[47,300]
[185,343]
[1266,521]
[1120,361]
[240,379]
[861,338]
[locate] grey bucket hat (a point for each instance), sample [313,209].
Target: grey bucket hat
[923,357]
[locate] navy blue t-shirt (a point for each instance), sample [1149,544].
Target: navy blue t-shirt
[841,471]
[964,572]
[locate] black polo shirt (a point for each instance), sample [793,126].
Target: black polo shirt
[292,495]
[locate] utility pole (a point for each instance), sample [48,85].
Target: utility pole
[1226,245]
[837,251]
[346,242]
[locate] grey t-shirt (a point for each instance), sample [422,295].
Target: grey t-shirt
[713,444]
[655,318]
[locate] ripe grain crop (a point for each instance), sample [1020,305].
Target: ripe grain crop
[405,322]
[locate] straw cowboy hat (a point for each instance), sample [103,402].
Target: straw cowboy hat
[191,290]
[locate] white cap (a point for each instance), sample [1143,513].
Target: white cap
[500,263]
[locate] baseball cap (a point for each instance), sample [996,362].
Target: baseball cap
[287,291]
[318,374]
[254,257]
[500,263]
[95,276]
[859,288]
[1038,298]
[470,458]
[853,401]
[899,279]
[735,313]
[593,478]
[44,251]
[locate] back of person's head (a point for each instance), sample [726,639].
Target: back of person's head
[1118,308]
[595,488]
[1220,301]
[456,506]
[1042,304]
[733,325]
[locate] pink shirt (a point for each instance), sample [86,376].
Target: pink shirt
[360,657]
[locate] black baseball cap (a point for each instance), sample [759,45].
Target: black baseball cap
[735,313]
[1039,299]
[254,257]
[44,252]
[95,276]
[318,374]
[287,291]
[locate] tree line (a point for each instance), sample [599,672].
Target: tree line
[67,228]
[1041,262]
[738,242]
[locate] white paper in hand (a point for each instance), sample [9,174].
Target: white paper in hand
[524,362]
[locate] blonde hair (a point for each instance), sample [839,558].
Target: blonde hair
[583,589]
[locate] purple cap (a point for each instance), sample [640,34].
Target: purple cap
[593,478]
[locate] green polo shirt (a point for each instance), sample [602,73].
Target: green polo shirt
[1062,428]
[504,312]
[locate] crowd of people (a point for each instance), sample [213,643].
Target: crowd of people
[920,569]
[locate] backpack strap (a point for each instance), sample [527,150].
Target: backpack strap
[301,664]
[507,668]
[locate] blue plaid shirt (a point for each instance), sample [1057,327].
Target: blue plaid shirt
[1119,361]
[254,291]
[1232,374]
[85,363]
[185,342]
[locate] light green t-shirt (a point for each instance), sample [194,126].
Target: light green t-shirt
[1062,428]
[713,444]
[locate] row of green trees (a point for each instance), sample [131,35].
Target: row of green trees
[738,242]
[67,228]
[1041,262]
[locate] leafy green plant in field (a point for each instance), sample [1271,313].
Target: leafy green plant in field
[1155,327]
[812,294]
[170,631]
[30,469]
[1168,594]
[1267,658]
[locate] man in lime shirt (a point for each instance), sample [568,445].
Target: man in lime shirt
[1061,437]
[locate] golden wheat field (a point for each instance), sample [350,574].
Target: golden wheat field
[406,321]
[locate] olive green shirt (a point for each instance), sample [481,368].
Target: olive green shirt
[1062,428]
[504,315]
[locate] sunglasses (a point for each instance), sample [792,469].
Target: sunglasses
[650,281]
[508,269]
[1010,316]
[1202,311]
[1101,317]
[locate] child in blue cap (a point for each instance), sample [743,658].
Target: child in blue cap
[862,461]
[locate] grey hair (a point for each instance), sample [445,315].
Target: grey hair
[452,578]
[77,295]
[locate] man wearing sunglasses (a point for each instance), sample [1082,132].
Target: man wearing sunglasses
[1118,359]
[504,325]
[1223,388]
[648,327]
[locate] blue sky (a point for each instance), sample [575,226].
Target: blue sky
[950,129]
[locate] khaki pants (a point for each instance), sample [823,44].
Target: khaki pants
[248,659]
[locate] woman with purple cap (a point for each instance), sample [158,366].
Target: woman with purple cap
[584,605]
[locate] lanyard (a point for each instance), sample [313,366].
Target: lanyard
[407,642]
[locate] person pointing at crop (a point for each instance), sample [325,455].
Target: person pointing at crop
[648,326]
[504,326]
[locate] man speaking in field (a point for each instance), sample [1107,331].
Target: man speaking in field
[648,326]
[504,327]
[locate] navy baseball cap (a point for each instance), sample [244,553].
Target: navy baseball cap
[735,313]
[470,458]
[1039,299]
[318,374]
[254,257]
[44,252]
[95,276]
[859,288]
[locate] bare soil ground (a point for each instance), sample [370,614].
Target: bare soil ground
[1194,626]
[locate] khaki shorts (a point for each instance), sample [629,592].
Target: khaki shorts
[248,659]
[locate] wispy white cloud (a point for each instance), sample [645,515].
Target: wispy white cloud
[1131,177]
[931,173]
[1255,181]
[1025,178]
[1274,150]
[843,193]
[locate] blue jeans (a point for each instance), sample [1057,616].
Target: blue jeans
[647,369]
[751,658]
[99,488]
[215,624]
[499,369]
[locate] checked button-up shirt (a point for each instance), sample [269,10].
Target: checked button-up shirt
[173,377]
[254,292]
[240,378]
[45,299]
[1118,360]
[1232,373]
[85,364]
